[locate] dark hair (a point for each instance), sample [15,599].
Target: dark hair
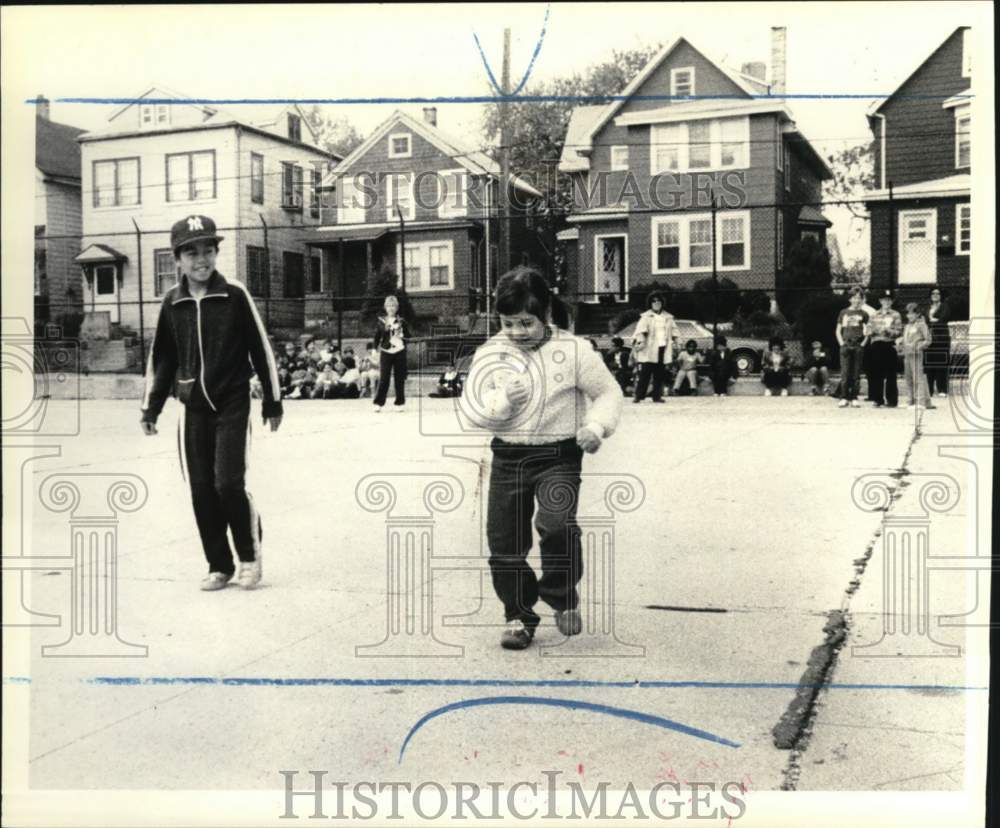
[720,340]
[348,350]
[349,362]
[857,291]
[654,297]
[525,290]
[775,340]
[689,343]
[931,291]
[617,342]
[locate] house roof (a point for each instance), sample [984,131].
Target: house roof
[580,121]
[878,103]
[264,116]
[808,151]
[56,151]
[611,109]
[949,187]
[163,92]
[475,161]
[94,253]
[810,215]
[963,98]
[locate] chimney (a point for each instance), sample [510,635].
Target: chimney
[757,69]
[778,79]
[431,115]
[42,107]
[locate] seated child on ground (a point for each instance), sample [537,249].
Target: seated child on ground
[449,383]
[818,369]
[618,361]
[721,367]
[688,361]
[776,374]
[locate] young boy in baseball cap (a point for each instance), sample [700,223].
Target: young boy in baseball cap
[207,335]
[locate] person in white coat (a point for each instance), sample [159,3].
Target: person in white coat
[653,344]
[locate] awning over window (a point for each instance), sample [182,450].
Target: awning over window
[335,234]
[98,254]
[810,215]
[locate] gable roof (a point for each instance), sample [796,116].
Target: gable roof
[581,119]
[263,116]
[610,109]
[163,92]
[57,152]
[475,161]
[878,103]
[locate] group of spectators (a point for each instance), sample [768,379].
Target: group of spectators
[319,370]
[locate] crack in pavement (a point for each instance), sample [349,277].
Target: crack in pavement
[795,728]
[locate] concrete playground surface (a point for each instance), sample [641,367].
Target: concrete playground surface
[731,577]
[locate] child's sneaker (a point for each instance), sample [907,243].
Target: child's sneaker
[376,409]
[767,392]
[843,404]
[855,404]
[517,636]
[569,621]
[250,574]
[784,392]
[215,580]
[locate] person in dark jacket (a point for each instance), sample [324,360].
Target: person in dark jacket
[391,334]
[721,366]
[209,340]
[938,353]
[619,362]
[449,383]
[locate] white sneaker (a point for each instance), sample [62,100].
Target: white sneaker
[399,409]
[843,404]
[376,409]
[767,392]
[855,404]
[941,394]
[215,580]
[784,392]
[250,573]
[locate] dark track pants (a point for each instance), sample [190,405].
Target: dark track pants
[520,474]
[213,454]
[882,387]
[396,365]
[652,370]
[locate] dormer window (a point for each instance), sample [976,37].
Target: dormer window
[294,127]
[682,82]
[400,145]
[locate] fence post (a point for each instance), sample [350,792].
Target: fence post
[892,282]
[267,277]
[142,326]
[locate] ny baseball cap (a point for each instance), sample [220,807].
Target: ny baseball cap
[885,294]
[192,229]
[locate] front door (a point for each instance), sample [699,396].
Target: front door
[917,246]
[609,267]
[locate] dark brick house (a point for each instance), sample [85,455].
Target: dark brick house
[449,196]
[922,143]
[58,283]
[646,167]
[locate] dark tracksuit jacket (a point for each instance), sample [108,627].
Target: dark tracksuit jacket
[204,353]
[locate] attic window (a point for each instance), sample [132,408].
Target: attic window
[294,127]
[682,82]
[152,114]
[400,145]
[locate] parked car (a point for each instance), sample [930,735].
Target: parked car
[747,351]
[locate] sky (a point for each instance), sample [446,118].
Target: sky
[369,51]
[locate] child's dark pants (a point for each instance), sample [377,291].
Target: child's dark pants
[396,365]
[520,474]
[214,453]
[882,374]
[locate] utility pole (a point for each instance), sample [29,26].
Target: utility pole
[505,140]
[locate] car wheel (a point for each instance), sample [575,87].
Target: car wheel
[746,362]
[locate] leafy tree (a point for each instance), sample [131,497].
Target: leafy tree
[858,272]
[335,135]
[380,285]
[853,173]
[807,272]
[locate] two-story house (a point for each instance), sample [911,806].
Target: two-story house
[254,170]
[411,179]
[646,168]
[57,217]
[922,151]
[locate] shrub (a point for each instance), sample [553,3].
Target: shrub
[709,300]
[818,319]
[70,323]
[753,300]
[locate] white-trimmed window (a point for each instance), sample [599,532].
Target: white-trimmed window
[684,243]
[453,196]
[105,277]
[165,270]
[429,265]
[963,229]
[779,146]
[682,82]
[154,114]
[399,192]
[967,53]
[718,144]
[400,145]
[256,178]
[963,136]
[350,203]
[191,176]
[619,157]
[116,182]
